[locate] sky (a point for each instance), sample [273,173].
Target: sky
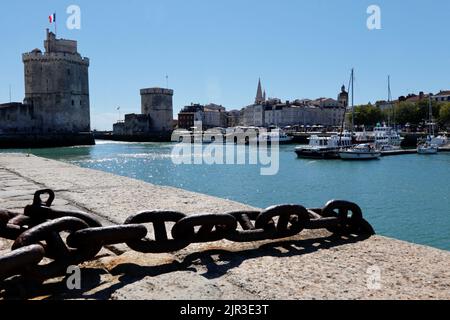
[214,51]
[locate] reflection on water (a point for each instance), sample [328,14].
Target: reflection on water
[406,197]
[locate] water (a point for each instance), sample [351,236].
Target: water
[404,197]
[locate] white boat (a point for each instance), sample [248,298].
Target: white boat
[386,138]
[360,152]
[275,136]
[427,148]
[325,147]
[440,141]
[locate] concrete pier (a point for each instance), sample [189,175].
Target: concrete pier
[308,266]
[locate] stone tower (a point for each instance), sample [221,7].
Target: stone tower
[57,87]
[343,97]
[158,104]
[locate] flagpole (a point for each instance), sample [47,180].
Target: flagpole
[56,30]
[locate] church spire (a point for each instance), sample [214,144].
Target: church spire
[259,94]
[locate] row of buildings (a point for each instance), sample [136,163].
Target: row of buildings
[441,96]
[269,112]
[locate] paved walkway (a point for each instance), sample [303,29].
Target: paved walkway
[308,266]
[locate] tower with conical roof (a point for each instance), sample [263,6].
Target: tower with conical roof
[259,94]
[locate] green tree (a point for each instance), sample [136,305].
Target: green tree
[444,114]
[368,115]
[423,109]
[408,112]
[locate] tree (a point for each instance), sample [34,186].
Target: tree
[408,112]
[368,115]
[444,114]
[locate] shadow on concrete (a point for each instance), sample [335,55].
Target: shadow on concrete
[216,262]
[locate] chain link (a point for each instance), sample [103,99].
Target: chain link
[72,237]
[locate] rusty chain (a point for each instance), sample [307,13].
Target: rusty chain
[38,232]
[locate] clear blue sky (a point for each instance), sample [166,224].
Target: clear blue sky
[214,51]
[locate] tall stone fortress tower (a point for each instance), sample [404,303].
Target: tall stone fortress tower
[57,87]
[157,103]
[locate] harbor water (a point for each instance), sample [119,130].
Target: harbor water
[405,197]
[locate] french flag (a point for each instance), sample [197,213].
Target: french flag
[52,18]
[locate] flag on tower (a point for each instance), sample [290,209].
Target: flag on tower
[52,18]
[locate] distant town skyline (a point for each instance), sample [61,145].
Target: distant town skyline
[215,52]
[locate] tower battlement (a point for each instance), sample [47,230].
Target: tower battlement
[53,45]
[162,91]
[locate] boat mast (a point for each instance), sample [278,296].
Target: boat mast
[353,102]
[392,106]
[344,118]
[431,116]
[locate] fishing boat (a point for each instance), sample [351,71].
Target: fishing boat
[360,152]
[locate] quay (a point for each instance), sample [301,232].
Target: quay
[308,266]
[408,151]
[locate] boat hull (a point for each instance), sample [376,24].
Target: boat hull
[427,151]
[317,154]
[360,155]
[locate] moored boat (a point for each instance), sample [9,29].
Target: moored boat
[360,152]
[427,148]
[324,147]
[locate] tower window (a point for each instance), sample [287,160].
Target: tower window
[73,102]
[68,72]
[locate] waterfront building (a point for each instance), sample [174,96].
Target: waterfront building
[233,118]
[414,97]
[56,99]
[211,116]
[254,115]
[326,112]
[442,96]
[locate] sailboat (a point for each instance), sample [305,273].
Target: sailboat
[428,147]
[361,151]
[386,137]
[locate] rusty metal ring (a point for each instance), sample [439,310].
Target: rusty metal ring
[107,235]
[295,215]
[41,214]
[49,232]
[349,215]
[162,243]
[16,261]
[5,216]
[37,201]
[224,225]
[249,233]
